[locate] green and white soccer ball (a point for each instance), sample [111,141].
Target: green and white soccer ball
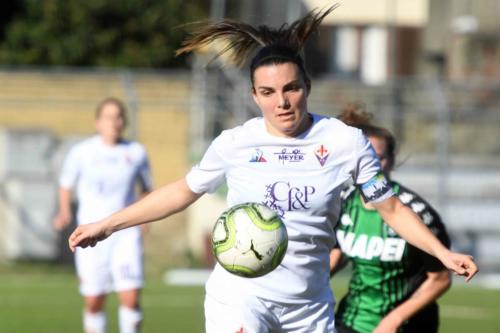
[249,240]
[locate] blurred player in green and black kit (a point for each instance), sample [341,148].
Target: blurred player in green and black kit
[394,286]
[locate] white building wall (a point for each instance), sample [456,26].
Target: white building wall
[374,55]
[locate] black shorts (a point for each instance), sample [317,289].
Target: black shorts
[427,320]
[343,329]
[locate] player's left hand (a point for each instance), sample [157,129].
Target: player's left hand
[460,264]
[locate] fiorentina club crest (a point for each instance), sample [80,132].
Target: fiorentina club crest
[258,156]
[322,154]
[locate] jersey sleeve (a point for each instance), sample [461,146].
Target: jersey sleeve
[432,220]
[71,169]
[209,173]
[374,186]
[144,174]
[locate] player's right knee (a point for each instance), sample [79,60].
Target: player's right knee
[94,304]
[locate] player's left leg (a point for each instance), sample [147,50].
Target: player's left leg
[129,313]
[308,318]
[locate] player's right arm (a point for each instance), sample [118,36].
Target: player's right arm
[161,203]
[68,179]
[63,217]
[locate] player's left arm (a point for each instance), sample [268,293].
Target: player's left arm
[410,227]
[376,189]
[430,290]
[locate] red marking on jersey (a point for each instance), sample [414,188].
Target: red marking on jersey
[322,154]
[322,151]
[240,330]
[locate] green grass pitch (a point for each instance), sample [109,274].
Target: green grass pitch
[40,298]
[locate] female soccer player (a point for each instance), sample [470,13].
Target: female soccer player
[393,285]
[104,171]
[296,296]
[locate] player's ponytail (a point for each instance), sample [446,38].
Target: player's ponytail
[284,44]
[355,114]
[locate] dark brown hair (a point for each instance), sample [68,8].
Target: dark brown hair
[355,114]
[277,46]
[112,100]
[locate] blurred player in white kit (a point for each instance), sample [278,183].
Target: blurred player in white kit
[104,171]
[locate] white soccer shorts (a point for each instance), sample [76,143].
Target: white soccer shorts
[115,264]
[256,315]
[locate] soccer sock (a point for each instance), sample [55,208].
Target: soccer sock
[130,319]
[94,322]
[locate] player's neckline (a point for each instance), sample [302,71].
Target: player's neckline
[301,136]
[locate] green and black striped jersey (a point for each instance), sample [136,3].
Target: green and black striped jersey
[386,269]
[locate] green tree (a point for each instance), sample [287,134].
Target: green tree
[115,33]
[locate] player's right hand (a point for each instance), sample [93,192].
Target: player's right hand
[88,235]
[61,220]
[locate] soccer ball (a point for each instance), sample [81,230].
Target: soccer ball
[249,240]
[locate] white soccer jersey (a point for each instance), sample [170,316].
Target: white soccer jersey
[104,176]
[301,178]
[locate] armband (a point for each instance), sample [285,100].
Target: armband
[377,189]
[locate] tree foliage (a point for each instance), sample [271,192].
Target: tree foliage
[115,33]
